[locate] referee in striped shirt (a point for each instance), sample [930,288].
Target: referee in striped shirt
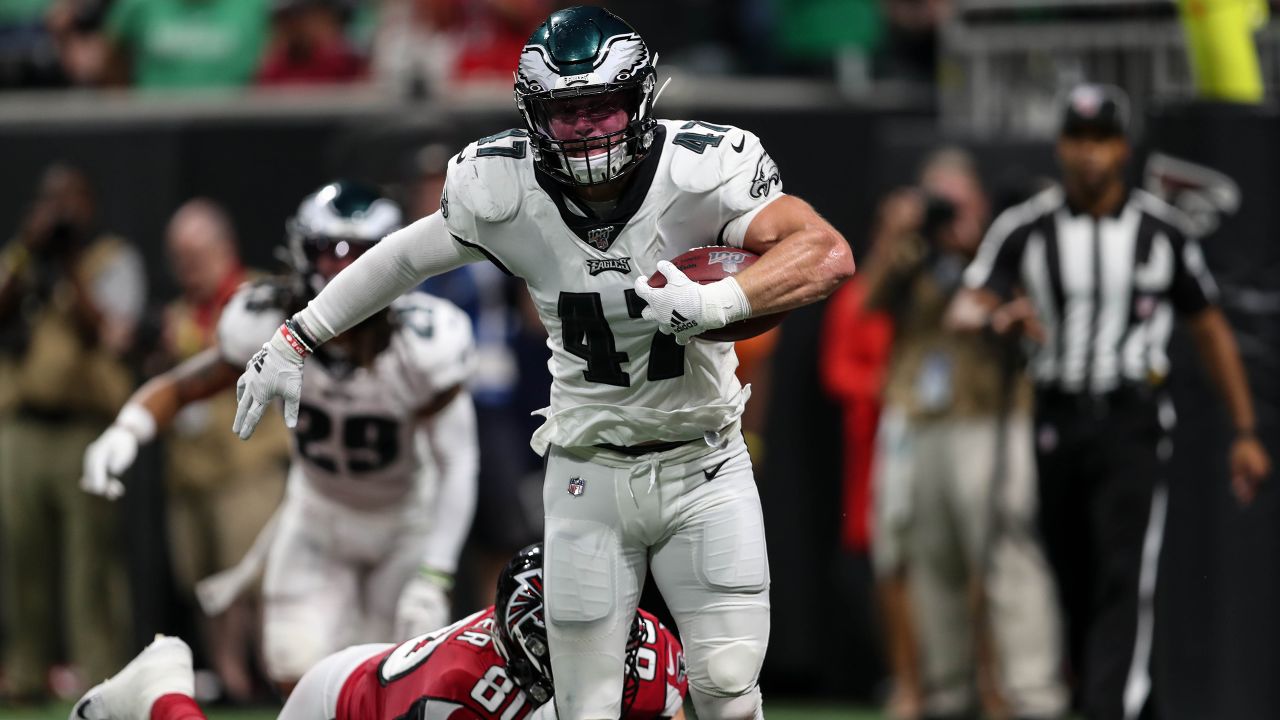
[1104,270]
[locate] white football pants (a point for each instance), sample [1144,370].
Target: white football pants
[333,576]
[693,516]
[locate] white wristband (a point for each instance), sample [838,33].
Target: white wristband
[727,294]
[137,420]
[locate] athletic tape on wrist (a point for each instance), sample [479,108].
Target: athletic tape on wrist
[137,420]
[734,300]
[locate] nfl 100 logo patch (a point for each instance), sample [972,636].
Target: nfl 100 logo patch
[577,486]
[600,237]
[729,259]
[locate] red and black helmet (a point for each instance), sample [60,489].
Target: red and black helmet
[520,630]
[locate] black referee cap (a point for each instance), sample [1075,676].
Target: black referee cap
[1096,110]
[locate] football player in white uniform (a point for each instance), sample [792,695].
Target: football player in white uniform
[646,466]
[383,483]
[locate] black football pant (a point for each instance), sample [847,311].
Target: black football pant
[1102,467]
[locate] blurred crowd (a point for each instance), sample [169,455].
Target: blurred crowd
[79,330]
[419,47]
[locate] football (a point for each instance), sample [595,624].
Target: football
[708,264]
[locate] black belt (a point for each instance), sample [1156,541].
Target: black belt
[1052,398]
[638,450]
[51,416]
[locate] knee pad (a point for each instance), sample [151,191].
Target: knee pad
[289,655]
[731,669]
[724,646]
[747,706]
[296,636]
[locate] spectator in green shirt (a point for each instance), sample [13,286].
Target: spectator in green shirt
[812,32]
[187,44]
[13,12]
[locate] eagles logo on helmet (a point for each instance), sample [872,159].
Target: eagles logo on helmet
[333,226]
[586,60]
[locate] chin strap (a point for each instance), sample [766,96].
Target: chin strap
[658,94]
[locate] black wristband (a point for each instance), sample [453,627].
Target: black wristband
[303,336]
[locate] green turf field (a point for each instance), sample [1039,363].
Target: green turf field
[775,711]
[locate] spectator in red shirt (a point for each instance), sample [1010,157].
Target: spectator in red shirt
[428,46]
[856,342]
[309,46]
[494,32]
[855,353]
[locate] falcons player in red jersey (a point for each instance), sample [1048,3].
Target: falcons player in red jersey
[493,665]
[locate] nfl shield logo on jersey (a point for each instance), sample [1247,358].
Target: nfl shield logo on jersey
[577,486]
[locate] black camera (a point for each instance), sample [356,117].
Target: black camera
[939,212]
[62,238]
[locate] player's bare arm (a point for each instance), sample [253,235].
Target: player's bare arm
[1213,338]
[803,258]
[199,377]
[150,410]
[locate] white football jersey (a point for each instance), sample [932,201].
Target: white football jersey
[355,439]
[616,378]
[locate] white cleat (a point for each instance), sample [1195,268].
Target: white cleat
[162,668]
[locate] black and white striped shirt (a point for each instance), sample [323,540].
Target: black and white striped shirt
[1105,289]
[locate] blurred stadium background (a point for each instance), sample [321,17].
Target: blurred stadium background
[848,95]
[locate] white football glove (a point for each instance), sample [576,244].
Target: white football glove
[424,604]
[274,371]
[684,308]
[113,453]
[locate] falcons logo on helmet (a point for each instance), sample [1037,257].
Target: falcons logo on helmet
[526,602]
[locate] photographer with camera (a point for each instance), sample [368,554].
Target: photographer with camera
[955,477]
[69,300]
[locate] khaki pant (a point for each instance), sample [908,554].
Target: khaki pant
[211,528]
[221,491]
[949,536]
[60,547]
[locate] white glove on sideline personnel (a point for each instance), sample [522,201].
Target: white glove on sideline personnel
[274,371]
[424,604]
[684,308]
[113,453]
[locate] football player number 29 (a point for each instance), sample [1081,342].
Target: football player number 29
[368,442]
[586,334]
